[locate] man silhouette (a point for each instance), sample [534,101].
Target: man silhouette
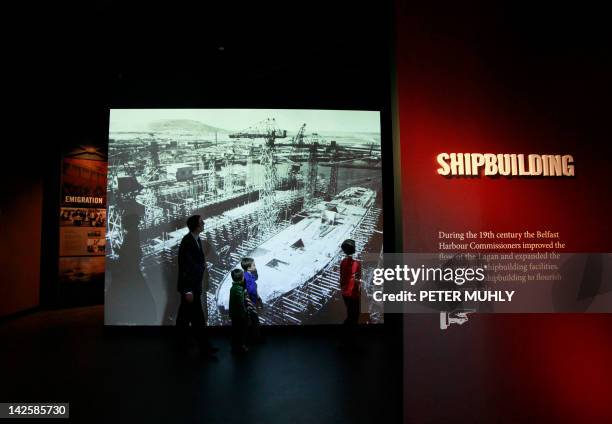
[191,270]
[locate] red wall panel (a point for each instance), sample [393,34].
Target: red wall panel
[20,237]
[470,83]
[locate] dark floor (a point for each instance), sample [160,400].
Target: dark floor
[300,375]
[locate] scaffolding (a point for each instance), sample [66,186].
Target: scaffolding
[268,130]
[310,187]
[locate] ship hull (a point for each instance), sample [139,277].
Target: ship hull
[299,252]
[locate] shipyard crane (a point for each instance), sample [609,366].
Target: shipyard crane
[334,163]
[228,183]
[310,187]
[299,137]
[269,131]
[332,188]
[312,143]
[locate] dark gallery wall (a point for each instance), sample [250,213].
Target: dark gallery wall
[20,236]
[101,55]
[505,81]
[29,201]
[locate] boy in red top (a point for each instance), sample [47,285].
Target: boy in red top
[350,283]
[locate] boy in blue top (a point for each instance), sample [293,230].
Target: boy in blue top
[238,312]
[250,280]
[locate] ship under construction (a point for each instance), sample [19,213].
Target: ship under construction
[262,193]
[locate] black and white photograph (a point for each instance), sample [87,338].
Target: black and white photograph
[82,217]
[284,187]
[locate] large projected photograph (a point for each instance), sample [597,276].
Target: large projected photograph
[284,187]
